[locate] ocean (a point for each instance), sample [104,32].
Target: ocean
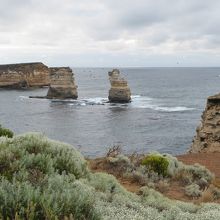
[166,108]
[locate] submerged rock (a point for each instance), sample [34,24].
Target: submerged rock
[24,75]
[119,91]
[207,137]
[62,84]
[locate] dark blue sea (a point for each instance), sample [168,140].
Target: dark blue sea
[165,110]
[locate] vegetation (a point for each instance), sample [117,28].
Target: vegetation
[45,179]
[6,132]
[159,171]
[156,163]
[193,190]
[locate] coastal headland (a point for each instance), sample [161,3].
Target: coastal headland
[24,75]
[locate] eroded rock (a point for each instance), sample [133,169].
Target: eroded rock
[24,75]
[119,91]
[207,137]
[62,84]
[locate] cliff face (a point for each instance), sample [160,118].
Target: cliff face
[119,91]
[207,137]
[62,84]
[24,75]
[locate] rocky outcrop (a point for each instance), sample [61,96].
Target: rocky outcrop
[62,84]
[207,137]
[24,75]
[119,91]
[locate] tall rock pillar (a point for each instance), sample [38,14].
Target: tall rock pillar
[119,91]
[62,84]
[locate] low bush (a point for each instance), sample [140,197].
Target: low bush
[39,179]
[193,190]
[49,180]
[6,132]
[156,163]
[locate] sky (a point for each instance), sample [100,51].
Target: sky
[111,33]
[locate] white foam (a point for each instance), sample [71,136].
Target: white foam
[150,103]
[85,101]
[138,101]
[174,109]
[23,97]
[95,101]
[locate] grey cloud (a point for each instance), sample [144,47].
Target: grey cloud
[96,27]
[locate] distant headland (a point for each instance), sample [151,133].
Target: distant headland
[24,75]
[60,80]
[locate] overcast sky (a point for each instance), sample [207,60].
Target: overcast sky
[111,32]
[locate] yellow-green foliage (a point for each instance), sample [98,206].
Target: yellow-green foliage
[156,163]
[6,132]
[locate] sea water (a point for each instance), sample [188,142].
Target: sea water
[165,110]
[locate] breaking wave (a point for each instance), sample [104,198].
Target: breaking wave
[150,103]
[138,101]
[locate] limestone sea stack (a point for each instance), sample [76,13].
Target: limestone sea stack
[24,75]
[119,91]
[62,84]
[207,137]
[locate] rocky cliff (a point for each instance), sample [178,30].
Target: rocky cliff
[207,137]
[24,75]
[62,84]
[119,91]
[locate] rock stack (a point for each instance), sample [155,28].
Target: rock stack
[24,75]
[207,137]
[119,91]
[62,84]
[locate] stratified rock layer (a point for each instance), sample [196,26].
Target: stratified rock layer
[62,84]
[207,137]
[119,91]
[24,75]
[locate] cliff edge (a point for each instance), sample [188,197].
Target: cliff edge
[207,137]
[24,75]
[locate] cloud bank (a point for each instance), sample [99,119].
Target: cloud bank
[110,32]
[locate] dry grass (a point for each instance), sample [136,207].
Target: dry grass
[162,186]
[207,196]
[114,151]
[183,177]
[216,182]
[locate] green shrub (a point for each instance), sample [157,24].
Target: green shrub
[156,163]
[6,132]
[49,180]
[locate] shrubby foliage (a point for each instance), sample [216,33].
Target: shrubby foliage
[40,180]
[157,170]
[6,132]
[157,163]
[193,190]
[44,179]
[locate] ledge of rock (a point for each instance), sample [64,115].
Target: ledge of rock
[119,91]
[207,137]
[62,84]
[24,75]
